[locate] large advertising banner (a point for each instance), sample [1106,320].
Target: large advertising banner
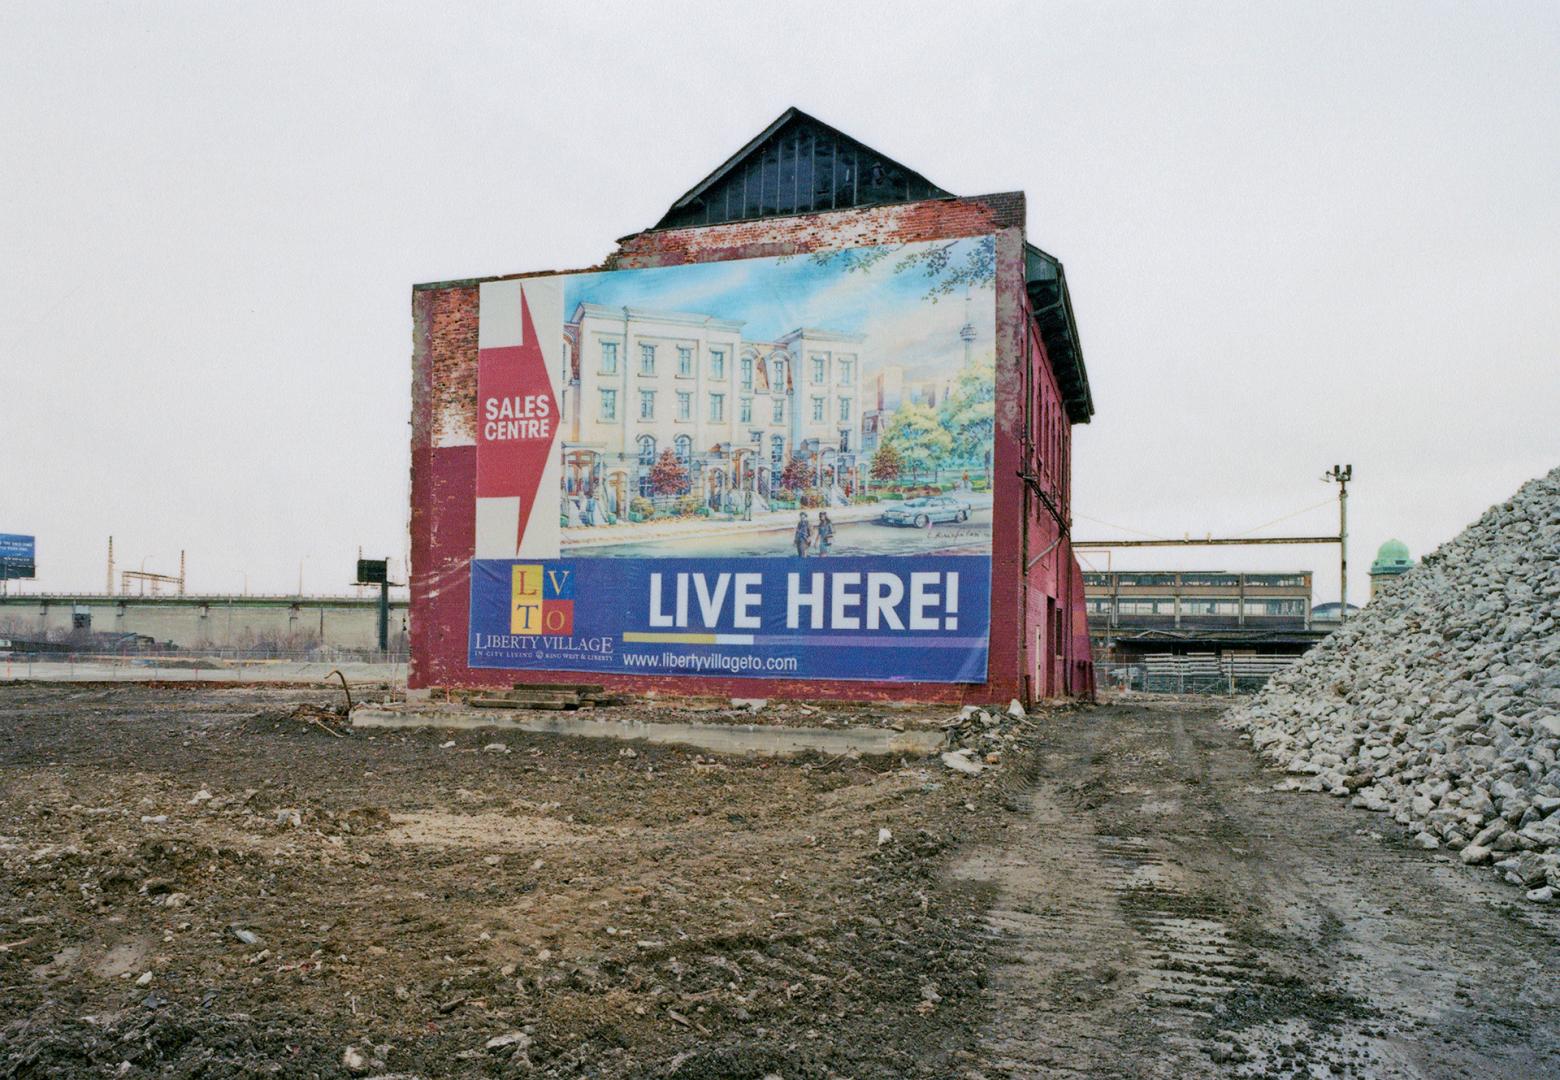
[759,468]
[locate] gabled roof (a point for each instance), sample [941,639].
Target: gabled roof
[797,165]
[800,165]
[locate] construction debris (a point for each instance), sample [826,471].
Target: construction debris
[963,761]
[1440,703]
[550,696]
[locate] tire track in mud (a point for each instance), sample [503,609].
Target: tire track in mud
[1162,913]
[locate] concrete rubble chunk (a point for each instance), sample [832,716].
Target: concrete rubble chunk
[1439,703]
[962,761]
[1473,855]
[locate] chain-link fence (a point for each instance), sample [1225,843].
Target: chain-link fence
[1193,673]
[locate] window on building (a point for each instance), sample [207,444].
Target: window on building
[847,365]
[1146,605]
[1275,607]
[684,361]
[817,404]
[684,405]
[647,449]
[777,376]
[779,410]
[818,368]
[747,373]
[609,358]
[745,410]
[684,449]
[609,404]
[777,451]
[717,407]
[844,410]
[647,359]
[717,363]
[1276,581]
[647,404]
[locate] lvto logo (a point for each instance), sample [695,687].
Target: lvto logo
[541,601]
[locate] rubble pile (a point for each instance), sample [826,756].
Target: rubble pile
[1440,703]
[978,737]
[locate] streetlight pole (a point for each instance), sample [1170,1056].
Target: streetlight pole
[1341,475]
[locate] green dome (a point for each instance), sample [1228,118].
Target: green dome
[1391,558]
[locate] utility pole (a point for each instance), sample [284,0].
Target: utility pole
[1341,475]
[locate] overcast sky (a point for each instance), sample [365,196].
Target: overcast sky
[1295,235]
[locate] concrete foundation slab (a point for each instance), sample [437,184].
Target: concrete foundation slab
[763,740]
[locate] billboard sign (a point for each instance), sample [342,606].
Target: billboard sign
[764,468]
[17,556]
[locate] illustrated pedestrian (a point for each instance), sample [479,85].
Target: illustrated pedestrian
[804,535]
[825,532]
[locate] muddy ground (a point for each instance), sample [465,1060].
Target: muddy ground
[1165,913]
[630,912]
[1124,896]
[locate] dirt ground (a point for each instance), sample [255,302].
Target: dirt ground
[200,882]
[626,912]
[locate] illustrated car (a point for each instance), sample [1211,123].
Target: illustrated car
[923,512]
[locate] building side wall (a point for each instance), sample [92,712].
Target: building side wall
[443,454]
[1058,660]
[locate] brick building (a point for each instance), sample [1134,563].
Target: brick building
[799,188]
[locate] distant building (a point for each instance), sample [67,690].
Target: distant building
[884,396]
[209,625]
[1135,613]
[1327,615]
[1392,560]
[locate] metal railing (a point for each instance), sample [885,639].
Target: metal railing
[1193,673]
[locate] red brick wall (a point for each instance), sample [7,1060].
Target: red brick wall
[1022,663]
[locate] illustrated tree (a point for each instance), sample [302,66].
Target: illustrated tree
[668,476]
[969,412]
[917,434]
[796,475]
[946,267]
[887,464]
